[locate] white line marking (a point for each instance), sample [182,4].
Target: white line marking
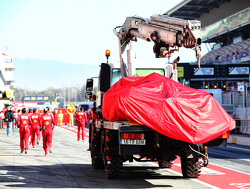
[238,148]
[229,168]
[193,179]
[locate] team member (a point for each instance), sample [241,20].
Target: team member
[29,113]
[24,130]
[80,121]
[34,121]
[89,116]
[55,115]
[71,116]
[47,123]
[60,118]
[49,112]
[15,113]
[1,120]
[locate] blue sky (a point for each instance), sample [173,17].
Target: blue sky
[74,31]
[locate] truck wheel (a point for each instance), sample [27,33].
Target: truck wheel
[96,159]
[112,159]
[191,167]
[166,162]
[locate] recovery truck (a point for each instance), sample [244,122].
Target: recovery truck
[113,143]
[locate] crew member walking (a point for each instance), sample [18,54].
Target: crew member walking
[34,121]
[47,123]
[24,130]
[80,121]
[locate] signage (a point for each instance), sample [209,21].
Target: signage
[8,60]
[238,70]
[204,71]
[35,98]
[180,71]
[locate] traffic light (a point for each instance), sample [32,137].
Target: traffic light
[215,86]
[206,87]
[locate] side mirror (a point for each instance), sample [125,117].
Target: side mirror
[88,95]
[89,84]
[104,77]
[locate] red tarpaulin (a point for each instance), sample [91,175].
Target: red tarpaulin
[168,107]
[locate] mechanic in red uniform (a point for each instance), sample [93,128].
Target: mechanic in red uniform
[29,113]
[80,121]
[89,116]
[47,123]
[35,124]
[55,115]
[24,130]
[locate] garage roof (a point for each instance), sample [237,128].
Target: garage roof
[193,9]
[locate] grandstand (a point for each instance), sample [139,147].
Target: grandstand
[235,52]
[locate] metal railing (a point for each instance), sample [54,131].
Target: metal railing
[237,104]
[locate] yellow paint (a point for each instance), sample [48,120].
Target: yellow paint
[7,154]
[234,140]
[180,71]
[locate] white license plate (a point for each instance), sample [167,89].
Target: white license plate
[132,142]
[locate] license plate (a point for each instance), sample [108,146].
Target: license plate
[132,142]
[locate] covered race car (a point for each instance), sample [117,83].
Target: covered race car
[168,107]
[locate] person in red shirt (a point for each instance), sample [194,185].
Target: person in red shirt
[29,113]
[55,115]
[34,121]
[1,120]
[80,121]
[24,130]
[89,115]
[15,113]
[47,123]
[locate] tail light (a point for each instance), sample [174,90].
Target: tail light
[132,136]
[225,135]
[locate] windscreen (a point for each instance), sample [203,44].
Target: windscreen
[145,72]
[139,72]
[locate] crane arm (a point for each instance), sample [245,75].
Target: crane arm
[166,33]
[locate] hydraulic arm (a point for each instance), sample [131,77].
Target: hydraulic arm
[167,33]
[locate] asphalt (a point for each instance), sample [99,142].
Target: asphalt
[47,172]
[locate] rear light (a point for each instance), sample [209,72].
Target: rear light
[133,124]
[132,136]
[225,135]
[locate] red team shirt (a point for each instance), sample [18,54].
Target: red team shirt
[23,120]
[46,121]
[80,117]
[34,119]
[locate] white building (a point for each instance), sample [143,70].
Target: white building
[6,78]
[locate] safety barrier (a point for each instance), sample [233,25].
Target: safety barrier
[242,127]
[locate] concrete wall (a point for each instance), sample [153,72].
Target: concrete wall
[224,10]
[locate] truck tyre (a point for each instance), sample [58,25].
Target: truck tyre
[191,167]
[112,159]
[96,159]
[166,162]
